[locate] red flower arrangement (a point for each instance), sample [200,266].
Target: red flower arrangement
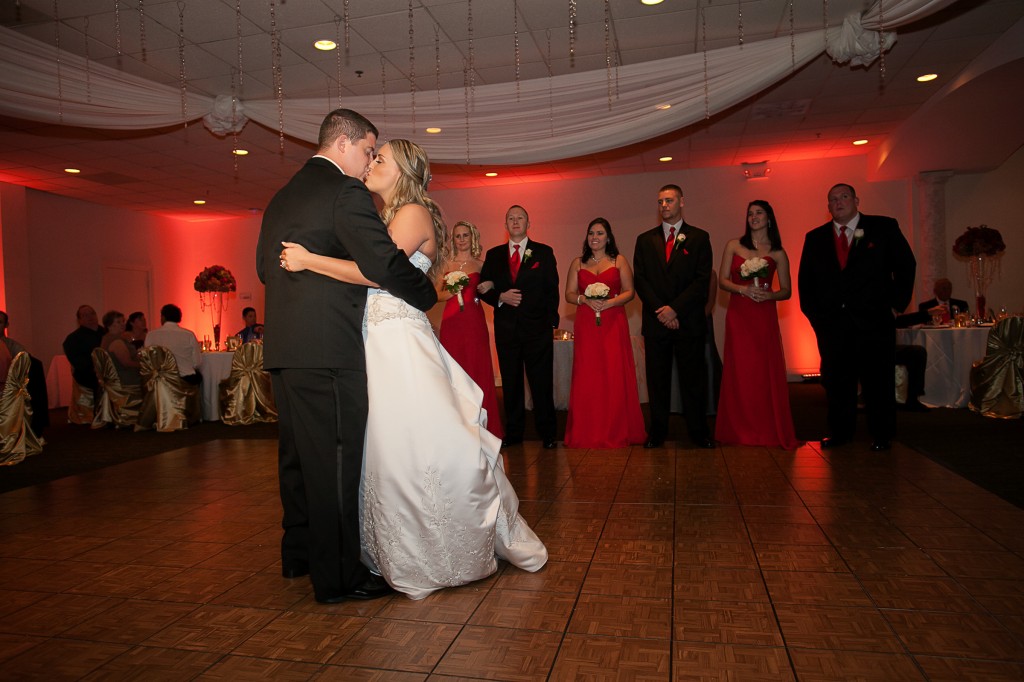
[979,241]
[215,278]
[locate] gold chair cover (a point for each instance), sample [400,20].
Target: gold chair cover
[117,404]
[80,411]
[246,396]
[169,403]
[17,440]
[997,381]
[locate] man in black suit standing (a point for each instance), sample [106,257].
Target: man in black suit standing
[943,303]
[671,271]
[520,279]
[856,274]
[313,348]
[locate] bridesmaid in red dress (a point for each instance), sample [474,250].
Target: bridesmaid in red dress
[464,332]
[604,406]
[753,408]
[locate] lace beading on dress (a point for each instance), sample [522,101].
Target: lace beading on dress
[381,306]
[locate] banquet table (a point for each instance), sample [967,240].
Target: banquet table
[215,366]
[951,352]
[59,382]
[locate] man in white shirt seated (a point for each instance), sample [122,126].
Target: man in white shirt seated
[180,341]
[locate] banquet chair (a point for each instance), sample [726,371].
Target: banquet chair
[117,404]
[169,403]
[17,439]
[80,410]
[997,381]
[246,396]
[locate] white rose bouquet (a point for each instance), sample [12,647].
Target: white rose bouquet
[454,283]
[598,291]
[754,268]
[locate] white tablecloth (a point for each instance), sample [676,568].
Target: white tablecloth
[59,382]
[951,352]
[215,367]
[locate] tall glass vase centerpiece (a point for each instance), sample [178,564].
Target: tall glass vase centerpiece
[213,285]
[980,247]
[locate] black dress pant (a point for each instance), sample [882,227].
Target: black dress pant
[534,356]
[691,365]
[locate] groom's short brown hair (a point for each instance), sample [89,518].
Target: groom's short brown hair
[351,124]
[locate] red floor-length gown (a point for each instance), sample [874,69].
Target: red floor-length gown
[754,405]
[604,406]
[464,335]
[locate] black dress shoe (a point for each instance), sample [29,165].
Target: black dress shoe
[880,446]
[705,443]
[509,441]
[373,587]
[296,571]
[550,444]
[828,443]
[652,443]
[334,599]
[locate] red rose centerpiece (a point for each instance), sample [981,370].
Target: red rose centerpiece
[980,247]
[212,283]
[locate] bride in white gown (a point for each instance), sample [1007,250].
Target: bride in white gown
[436,504]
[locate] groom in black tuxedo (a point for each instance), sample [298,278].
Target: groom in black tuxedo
[313,348]
[856,275]
[525,299]
[671,273]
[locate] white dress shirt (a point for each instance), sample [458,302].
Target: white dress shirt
[181,342]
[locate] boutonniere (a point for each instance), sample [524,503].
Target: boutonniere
[858,234]
[679,241]
[527,253]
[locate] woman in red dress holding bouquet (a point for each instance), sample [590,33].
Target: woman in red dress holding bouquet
[604,406]
[754,405]
[463,327]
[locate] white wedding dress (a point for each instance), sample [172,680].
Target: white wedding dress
[436,506]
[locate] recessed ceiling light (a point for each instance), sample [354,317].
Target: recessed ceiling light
[663,107]
[73,171]
[433,131]
[665,158]
[859,142]
[927,77]
[651,2]
[492,174]
[325,45]
[199,202]
[240,152]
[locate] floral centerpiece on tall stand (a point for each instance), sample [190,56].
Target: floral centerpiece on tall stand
[212,284]
[980,247]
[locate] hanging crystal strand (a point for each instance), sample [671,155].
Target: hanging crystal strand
[437,63]
[238,36]
[792,37]
[466,96]
[472,64]
[234,126]
[384,93]
[181,61]
[88,71]
[824,19]
[275,68]
[142,31]
[117,28]
[412,68]
[551,78]
[337,54]
[739,11]
[344,18]
[56,43]
[704,47]
[17,11]
[572,34]
[881,51]
[515,40]
[607,49]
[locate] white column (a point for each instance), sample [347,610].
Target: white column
[930,245]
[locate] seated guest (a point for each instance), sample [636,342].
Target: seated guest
[36,376]
[79,344]
[135,329]
[915,359]
[124,356]
[8,349]
[253,330]
[180,341]
[943,303]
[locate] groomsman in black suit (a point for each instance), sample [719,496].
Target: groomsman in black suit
[313,348]
[856,275]
[520,279]
[671,271]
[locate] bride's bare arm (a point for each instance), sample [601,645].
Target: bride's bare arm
[412,230]
[295,258]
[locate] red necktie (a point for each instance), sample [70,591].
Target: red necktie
[513,262]
[843,247]
[669,243]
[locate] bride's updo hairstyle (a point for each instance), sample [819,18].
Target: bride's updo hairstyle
[411,188]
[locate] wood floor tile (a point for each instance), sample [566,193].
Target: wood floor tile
[787,534]
[309,637]
[925,593]
[715,554]
[550,528]
[822,558]
[55,614]
[60,659]
[867,535]
[718,584]
[941,669]
[940,537]
[212,628]
[126,580]
[444,606]
[555,576]
[890,560]
[637,529]
[830,666]
[634,552]
[345,673]
[522,610]
[266,590]
[501,654]
[600,659]
[789,514]
[570,548]
[123,550]
[613,616]
[130,622]
[643,512]
[722,622]
[628,581]
[58,576]
[234,668]
[14,645]
[693,661]
[806,587]
[836,628]
[196,585]
[244,557]
[969,635]
[975,564]
[398,645]
[15,600]
[182,554]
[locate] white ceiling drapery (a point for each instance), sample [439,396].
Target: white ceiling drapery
[547,119]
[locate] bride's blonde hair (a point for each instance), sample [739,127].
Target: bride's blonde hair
[411,188]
